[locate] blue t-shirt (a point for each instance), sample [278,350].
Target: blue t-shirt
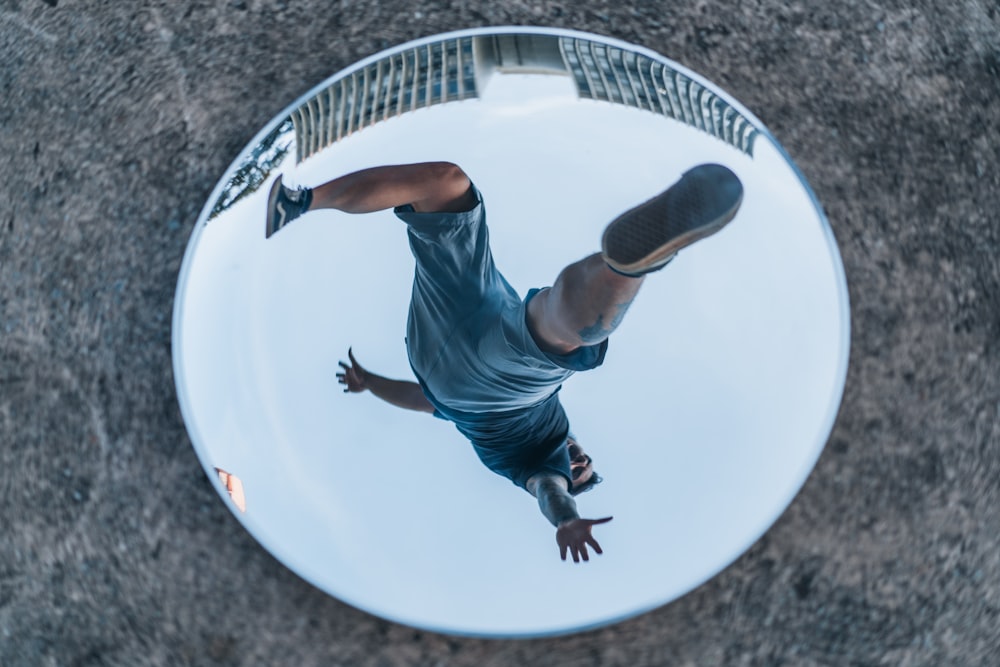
[516,444]
[472,353]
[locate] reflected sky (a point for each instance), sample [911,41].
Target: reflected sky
[715,399]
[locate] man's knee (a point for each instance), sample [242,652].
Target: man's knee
[544,325]
[451,191]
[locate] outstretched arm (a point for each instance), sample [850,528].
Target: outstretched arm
[400,393]
[573,533]
[427,186]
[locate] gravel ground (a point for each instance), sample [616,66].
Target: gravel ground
[118,118]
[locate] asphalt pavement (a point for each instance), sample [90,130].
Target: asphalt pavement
[116,121]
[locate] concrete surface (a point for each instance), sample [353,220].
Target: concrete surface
[116,119]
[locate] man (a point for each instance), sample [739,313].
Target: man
[489,361]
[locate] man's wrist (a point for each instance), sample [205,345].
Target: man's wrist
[372,381]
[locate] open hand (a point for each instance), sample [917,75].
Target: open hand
[574,536]
[354,378]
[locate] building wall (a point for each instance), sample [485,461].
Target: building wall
[620,76]
[458,69]
[435,73]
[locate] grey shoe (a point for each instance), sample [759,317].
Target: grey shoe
[646,238]
[284,205]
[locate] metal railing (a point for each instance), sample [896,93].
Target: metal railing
[431,74]
[619,76]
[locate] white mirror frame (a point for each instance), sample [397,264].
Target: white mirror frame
[725,379]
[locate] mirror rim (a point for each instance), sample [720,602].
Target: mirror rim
[824,429]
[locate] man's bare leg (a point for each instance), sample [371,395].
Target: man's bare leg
[589,299]
[583,307]
[427,186]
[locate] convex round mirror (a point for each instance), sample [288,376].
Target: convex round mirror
[715,398]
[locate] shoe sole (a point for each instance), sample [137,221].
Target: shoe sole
[701,203]
[272,201]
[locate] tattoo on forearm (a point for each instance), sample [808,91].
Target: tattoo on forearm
[556,504]
[597,332]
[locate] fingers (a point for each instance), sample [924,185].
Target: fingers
[575,549]
[572,548]
[589,539]
[577,542]
[348,378]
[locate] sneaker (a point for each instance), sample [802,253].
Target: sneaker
[645,238]
[284,205]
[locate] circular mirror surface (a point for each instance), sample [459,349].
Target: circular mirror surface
[715,399]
